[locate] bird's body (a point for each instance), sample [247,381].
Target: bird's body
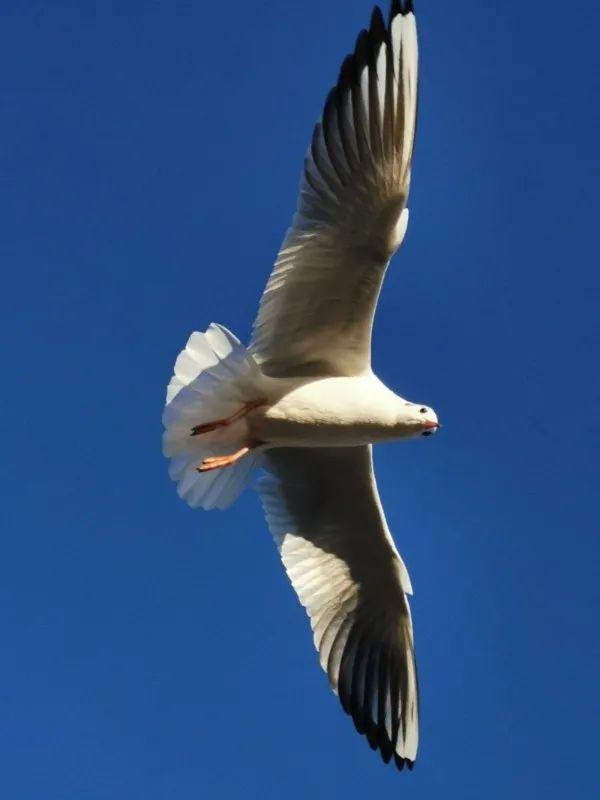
[330,412]
[303,403]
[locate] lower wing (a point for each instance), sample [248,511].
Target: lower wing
[323,510]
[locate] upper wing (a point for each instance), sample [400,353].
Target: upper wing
[324,512]
[316,313]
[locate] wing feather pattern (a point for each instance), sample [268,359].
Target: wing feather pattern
[323,510]
[316,314]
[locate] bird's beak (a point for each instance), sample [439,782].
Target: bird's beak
[428,425]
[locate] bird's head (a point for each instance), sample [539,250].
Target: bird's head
[416,420]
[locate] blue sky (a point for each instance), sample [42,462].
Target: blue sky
[150,159]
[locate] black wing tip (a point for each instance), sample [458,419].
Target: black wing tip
[361,49]
[378,32]
[368,41]
[403,762]
[347,73]
[379,740]
[402,7]
[377,25]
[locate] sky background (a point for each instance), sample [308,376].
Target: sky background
[150,154]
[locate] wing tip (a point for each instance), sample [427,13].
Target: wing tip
[379,740]
[368,41]
[361,49]
[402,7]
[347,73]
[401,762]
[377,25]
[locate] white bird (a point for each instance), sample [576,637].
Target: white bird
[303,403]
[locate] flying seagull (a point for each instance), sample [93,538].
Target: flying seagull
[302,401]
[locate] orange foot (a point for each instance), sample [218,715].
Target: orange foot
[208,427]
[217,462]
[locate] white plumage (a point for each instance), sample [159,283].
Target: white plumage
[303,403]
[211,377]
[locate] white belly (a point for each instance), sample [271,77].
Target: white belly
[328,412]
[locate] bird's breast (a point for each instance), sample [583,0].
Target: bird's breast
[326,412]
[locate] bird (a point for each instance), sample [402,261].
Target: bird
[302,405]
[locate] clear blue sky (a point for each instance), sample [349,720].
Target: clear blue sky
[150,156]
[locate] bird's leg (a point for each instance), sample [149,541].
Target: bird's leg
[208,427]
[217,462]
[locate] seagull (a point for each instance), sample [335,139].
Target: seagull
[303,404]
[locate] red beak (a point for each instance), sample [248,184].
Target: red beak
[428,425]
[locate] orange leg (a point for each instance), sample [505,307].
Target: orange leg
[208,427]
[217,462]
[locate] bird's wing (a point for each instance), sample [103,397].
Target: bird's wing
[316,313]
[324,512]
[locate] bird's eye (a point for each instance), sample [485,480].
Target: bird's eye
[423,410]
[427,433]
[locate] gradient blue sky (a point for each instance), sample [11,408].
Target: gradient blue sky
[150,159]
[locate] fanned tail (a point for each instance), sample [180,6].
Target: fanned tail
[213,378]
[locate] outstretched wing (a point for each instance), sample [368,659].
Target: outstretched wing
[323,510]
[316,314]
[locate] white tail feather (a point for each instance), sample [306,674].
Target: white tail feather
[213,379]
